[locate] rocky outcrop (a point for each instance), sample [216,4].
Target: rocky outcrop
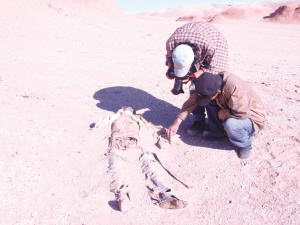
[285,14]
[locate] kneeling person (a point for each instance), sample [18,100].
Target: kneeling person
[233,109]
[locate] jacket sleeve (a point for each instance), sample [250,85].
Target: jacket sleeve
[169,49]
[239,103]
[188,106]
[214,67]
[217,58]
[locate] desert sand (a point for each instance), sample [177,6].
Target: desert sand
[66,64]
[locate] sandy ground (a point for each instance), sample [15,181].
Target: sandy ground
[60,72]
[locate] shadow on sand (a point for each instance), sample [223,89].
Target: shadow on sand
[160,112]
[113,98]
[114,205]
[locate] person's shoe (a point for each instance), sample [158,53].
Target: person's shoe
[197,127]
[208,135]
[244,153]
[172,202]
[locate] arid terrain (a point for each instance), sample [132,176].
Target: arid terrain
[66,64]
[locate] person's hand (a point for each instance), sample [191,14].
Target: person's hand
[174,128]
[223,114]
[193,76]
[198,73]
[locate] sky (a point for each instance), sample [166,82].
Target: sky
[137,6]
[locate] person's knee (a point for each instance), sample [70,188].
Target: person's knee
[231,125]
[236,133]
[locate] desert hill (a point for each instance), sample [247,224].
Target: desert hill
[285,12]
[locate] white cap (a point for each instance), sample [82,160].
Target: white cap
[183,57]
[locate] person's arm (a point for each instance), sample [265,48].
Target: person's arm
[188,106]
[239,103]
[215,64]
[186,109]
[174,127]
[169,62]
[216,60]
[198,73]
[169,52]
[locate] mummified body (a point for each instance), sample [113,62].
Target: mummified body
[125,147]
